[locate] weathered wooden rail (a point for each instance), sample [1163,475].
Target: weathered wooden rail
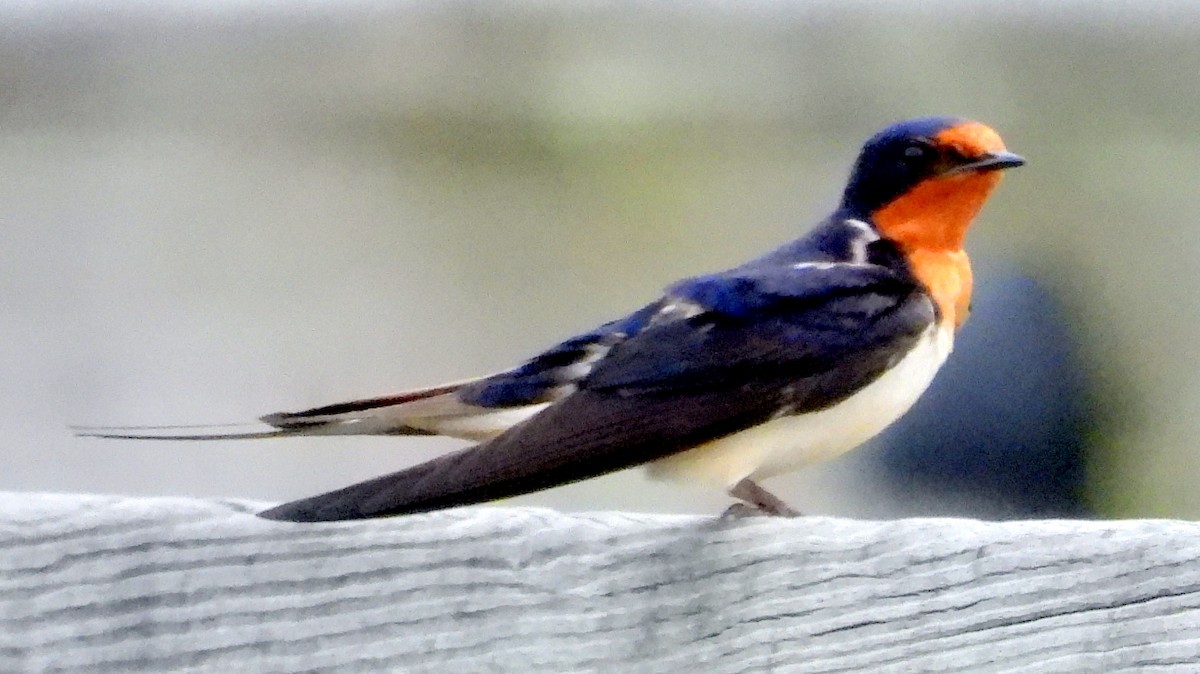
[92,584]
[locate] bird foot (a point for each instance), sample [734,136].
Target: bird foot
[756,502]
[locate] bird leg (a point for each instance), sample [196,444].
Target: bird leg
[757,501]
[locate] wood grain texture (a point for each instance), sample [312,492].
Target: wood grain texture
[96,584]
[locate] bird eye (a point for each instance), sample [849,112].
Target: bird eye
[916,151]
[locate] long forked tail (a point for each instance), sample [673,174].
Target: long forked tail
[181,432]
[432,401]
[427,411]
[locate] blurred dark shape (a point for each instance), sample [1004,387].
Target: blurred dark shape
[1000,433]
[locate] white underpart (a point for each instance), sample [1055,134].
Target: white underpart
[476,423]
[446,415]
[786,443]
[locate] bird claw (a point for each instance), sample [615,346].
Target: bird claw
[739,511]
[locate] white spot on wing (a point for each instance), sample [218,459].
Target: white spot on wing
[858,245]
[678,309]
[582,367]
[829,265]
[858,249]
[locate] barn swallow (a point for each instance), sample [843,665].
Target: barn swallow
[727,379]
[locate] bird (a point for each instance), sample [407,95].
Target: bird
[729,378]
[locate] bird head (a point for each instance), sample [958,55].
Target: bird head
[922,181]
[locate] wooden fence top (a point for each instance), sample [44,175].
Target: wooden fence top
[92,583]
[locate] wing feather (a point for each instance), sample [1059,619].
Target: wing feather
[671,387]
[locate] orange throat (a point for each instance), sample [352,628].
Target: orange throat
[929,224]
[947,276]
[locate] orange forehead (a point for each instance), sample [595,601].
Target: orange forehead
[971,139]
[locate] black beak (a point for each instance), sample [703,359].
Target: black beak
[992,161]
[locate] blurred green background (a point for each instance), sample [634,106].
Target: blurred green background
[211,211]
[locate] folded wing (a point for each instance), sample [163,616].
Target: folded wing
[716,368]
